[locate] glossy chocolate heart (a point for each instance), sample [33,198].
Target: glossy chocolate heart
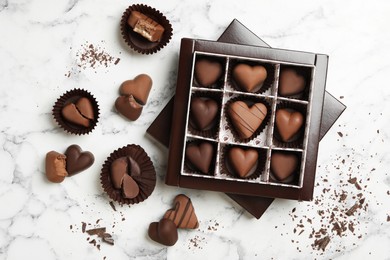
[72,114]
[290,82]
[85,108]
[249,78]
[183,213]
[207,72]
[77,160]
[200,155]
[128,107]
[130,188]
[288,123]
[243,161]
[139,88]
[203,112]
[283,165]
[246,120]
[163,232]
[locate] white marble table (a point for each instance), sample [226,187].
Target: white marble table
[40,40]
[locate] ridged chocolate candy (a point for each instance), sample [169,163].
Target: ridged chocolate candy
[183,213]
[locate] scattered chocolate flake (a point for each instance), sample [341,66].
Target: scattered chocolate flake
[93,242]
[352,210]
[350,227]
[358,186]
[83,226]
[340,134]
[112,205]
[388,218]
[70,227]
[341,97]
[353,180]
[96,231]
[107,238]
[322,243]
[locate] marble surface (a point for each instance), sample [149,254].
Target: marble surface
[40,47]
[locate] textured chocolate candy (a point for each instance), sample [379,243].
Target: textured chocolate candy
[290,82]
[288,123]
[145,26]
[183,213]
[128,107]
[163,232]
[77,160]
[249,78]
[203,112]
[200,155]
[207,72]
[139,88]
[246,120]
[55,166]
[283,165]
[243,161]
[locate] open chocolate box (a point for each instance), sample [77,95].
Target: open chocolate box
[253,138]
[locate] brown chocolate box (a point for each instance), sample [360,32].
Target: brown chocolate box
[236,32]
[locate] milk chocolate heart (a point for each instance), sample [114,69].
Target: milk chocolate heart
[130,188]
[288,123]
[200,155]
[139,88]
[243,161]
[249,78]
[246,120]
[290,82]
[163,232]
[203,112]
[283,165]
[85,108]
[207,72]
[77,160]
[183,213]
[118,171]
[128,107]
[120,176]
[72,114]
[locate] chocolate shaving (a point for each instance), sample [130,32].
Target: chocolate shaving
[352,210]
[83,226]
[358,186]
[322,243]
[112,205]
[340,134]
[352,181]
[388,218]
[96,231]
[107,238]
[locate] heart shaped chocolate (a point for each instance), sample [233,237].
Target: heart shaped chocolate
[200,155]
[290,82]
[121,179]
[249,78]
[77,160]
[183,213]
[130,188]
[207,72]
[72,114]
[246,120]
[128,107]
[163,232]
[288,123]
[244,162]
[85,108]
[283,165]
[118,171]
[203,112]
[139,88]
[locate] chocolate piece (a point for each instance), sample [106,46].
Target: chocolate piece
[290,82]
[203,112]
[118,171]
[163,232]
[145,26]
[77,160]
[128,107]
[107,238]
[249,78]
[134,167]
[96,231]
[55,167]
[244,162]
[207,72]
[84,106]
[130,188]
[283,164]
[72,114]
[139,88]
[183,213]
[200,155]
[288,123]
[120,176]
[246,120]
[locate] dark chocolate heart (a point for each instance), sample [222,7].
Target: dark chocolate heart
[207,72]
[249,78]
[77,160]
[163,232]
[128,107]
[200,155]
[203,112]
[246,120]
[283,165]
[139,88]
[183,214]
[288,123]
[243,161]
[290,82]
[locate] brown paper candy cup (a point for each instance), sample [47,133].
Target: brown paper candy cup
[72,96]
[146,180]
[136,41]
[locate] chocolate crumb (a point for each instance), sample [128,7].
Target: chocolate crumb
[83,226]
[388,218]
[352,210]
[322,243]
[112,205]
[358,186]
[353,180]
[96,231]
[340,134]
[93,242]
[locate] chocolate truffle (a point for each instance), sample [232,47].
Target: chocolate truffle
[77,160]
[283,165]
[249,78]
[246,119]
[207,71]
[183,213]
[203,112]
[145,26]
[199,156]
[55,167]
[288,123]
[163,232]
[290,82]
[243,161]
